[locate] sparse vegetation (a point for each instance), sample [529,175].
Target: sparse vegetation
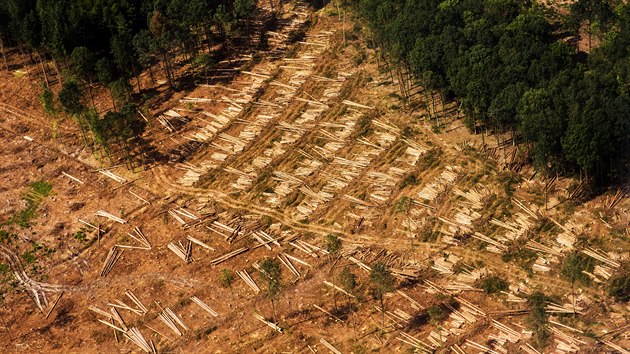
[574,265]
[333,243]
[619,285]
[382,282]
[493,284]
[80,236]
[521,256]
[37,191]
[271,272]
[538,318]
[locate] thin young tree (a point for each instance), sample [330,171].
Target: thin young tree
[382,282]
[82,68]
[333,246]
[271,271]
[348,281]
[226,278]
[70,97]
[48,100]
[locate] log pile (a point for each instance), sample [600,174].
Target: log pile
[611,201]
[172,321]
[109,216]
[113,176]
[601,256]
[329,346]
[112,257]
[205,307]
[439,184]
[228,255]
[139,237]
[421,346]
[248,280]
[115,321]
[181,251]
[273,326]
[344,171]
[200,243]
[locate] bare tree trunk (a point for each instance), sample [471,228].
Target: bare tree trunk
[135,73]
[6,62]
[382,315]
[152,74]
[343,27]
[89,88]
[56,66]
[167,69]
[41,62]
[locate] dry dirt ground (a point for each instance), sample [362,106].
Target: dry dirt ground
[308,141]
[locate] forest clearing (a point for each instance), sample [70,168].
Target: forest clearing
[300,177]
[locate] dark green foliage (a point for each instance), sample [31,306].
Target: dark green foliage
[226,278]
[521,256]
[6,237]
[81,63]
[619,286]
[80,236]
[403,204]
[502,61]
[538,318]
[508,180]
[70,97]
[203,63]
[121,91]
[347,279]
[120,36]
[271,273]
[104,71]
[493,284]
[42,188]
[409,180]
[37,191]
[203,333]
[29,257]
[382,282]
[333,243]
[48,100]
[431,158]
[382,279]
[4,269]
[437,313]
[573,266]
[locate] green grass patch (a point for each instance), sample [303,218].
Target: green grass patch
[80,236]
[6,237]
[36,193]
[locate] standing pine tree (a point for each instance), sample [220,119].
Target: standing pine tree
[271,271]
[382,282]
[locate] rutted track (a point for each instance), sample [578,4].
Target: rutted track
[35,288]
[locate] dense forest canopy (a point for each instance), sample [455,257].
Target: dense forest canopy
[511,67]
[111,42]
[129,34]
